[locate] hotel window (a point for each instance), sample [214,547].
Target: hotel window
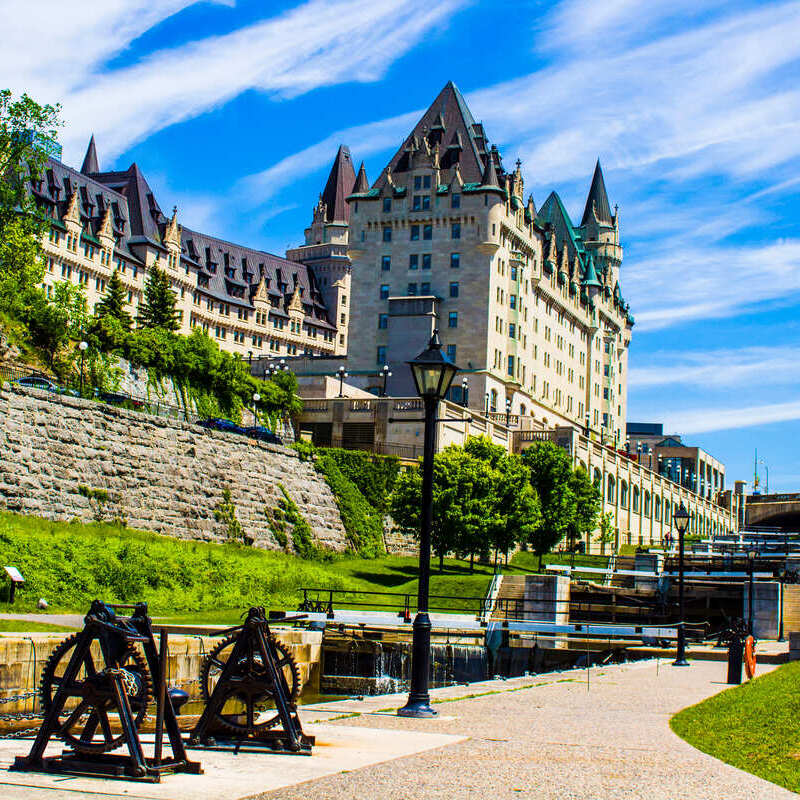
[451,352]
[387,234]
[455,230]
[412,289]
[513,273]
[426,261]
[512,301]
[512,330]
[454,289]
[425,288]
[384,292]
[455,201]
[413,261]
[427,232]
[383,321]
[414,233]
[387,204]
[511,366]
[380,355]
[452,319]
[386,263]
[422,202]
[455,260]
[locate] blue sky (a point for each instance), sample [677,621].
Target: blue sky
[234,110]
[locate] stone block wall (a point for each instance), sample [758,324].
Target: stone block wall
[160,475]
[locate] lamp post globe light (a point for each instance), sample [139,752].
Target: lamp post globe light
[508,411]
[464,390]
[256,401]
[681,518]
[433,373]
[83,346]
[342,374]
[386,373]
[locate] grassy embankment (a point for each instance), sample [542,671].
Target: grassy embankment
[70,564]
[753,726]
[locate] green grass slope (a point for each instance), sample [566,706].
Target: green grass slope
[752,726]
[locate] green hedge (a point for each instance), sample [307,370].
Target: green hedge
[362,521]
[373,475]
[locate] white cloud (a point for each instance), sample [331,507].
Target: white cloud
[689,282]
[718,419]
[714,369]
[319,43]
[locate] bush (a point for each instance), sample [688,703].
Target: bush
[373,475]
[362,522]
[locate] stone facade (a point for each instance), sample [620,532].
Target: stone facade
[527,303]
[160,474]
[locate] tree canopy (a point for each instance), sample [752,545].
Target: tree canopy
[158,307]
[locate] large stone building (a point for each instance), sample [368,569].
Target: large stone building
[528,304]
[250,301]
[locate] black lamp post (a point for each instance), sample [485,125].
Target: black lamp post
[342,375]
[464,390]
[386,375]
[588,428]
[681,518]
[83,347]
[508,412]
[256,401]
[751,560]
[433,373]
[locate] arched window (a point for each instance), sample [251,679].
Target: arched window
[636,498]
[646,503]
[610,492]
[657,509]
[623,494]
[666,512]
[493,400]
[597,480]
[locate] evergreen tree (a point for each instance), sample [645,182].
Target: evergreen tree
[113,302]
[158,308]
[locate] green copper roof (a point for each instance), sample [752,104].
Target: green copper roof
[442,188]
[562,277]
[590,278]
[371,193]
[57,223]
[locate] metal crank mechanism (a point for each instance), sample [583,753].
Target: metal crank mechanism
[94,693]
[250,683]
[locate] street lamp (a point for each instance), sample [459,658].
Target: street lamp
[464,390]
[751,558]
[681,518]
[588,429]
[256,401]
[433,373]
[342,375]
[386,375]
[83,347]
[508,411]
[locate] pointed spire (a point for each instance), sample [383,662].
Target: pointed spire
[106,229]
[489,172]
[590,278]
[597,202]
[340,184]
[361,184]
[73,214]
[90,163]
[172,234]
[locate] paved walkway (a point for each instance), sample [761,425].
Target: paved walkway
[543,737]
[554,740]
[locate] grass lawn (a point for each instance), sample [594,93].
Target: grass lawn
[20,625]
[70,564]
[752,726]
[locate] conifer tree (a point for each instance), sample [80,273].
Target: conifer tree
[158,308]
[113,302]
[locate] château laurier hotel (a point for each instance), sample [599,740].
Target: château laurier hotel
[529,305]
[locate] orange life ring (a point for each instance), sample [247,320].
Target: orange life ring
[750,656]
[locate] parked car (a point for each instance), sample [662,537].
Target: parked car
[36,382]
[120,398]
[219,424]
[263,434]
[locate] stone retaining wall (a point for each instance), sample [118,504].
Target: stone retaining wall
[160,474]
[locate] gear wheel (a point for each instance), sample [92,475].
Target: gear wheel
[250,686]
[82,736]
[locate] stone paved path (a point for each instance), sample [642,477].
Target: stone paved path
[554,740]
